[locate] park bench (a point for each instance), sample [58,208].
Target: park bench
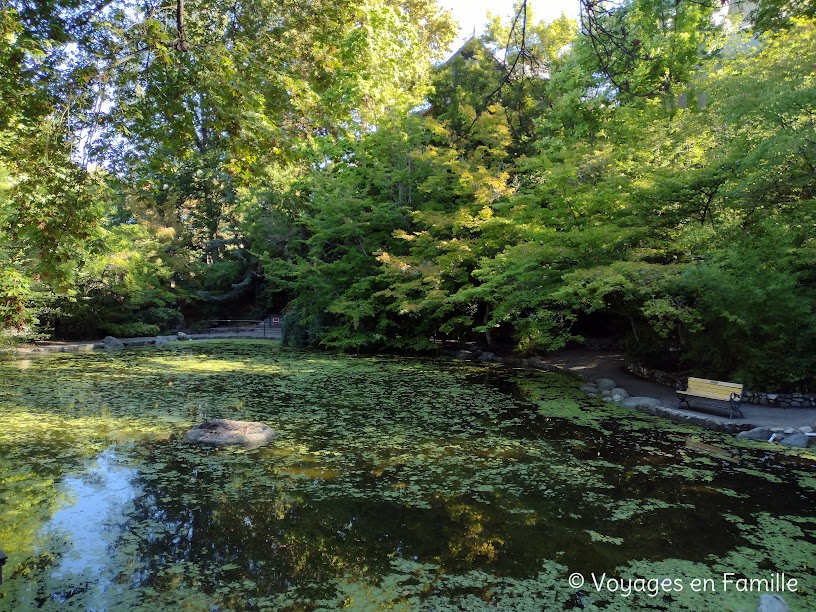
[704,389]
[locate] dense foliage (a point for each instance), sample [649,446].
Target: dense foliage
[647,174]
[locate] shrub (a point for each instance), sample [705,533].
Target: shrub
[129,330]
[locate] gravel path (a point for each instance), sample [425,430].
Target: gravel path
[593,364]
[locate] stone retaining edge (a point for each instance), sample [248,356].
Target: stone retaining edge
[87,347]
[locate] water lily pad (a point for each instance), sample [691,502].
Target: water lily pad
[394,483]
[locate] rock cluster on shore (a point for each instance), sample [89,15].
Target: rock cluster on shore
[786,436]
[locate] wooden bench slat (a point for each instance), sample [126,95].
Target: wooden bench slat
[715,383]
[695,383]
[712,387]
[717,392]
[713,390]
[712,381]
[715,387]
[717,396]
[720,390]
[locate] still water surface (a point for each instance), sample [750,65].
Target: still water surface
[393,484]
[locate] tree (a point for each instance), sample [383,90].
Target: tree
[646,48]
[48,205]
[188,108]
[779,15]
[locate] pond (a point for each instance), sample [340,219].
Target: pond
[393,483]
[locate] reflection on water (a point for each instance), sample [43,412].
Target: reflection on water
[392,484]
[97,498]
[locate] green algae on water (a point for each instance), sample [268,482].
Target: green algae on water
[393,483]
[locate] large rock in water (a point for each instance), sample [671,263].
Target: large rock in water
[772,603]
[605,384]
[797,440]
[757,433]
[112,343]
[223,432]
[635,402]
[623,393]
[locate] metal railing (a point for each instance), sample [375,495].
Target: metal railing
[237,326]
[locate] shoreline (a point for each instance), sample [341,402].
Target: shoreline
[583,364]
